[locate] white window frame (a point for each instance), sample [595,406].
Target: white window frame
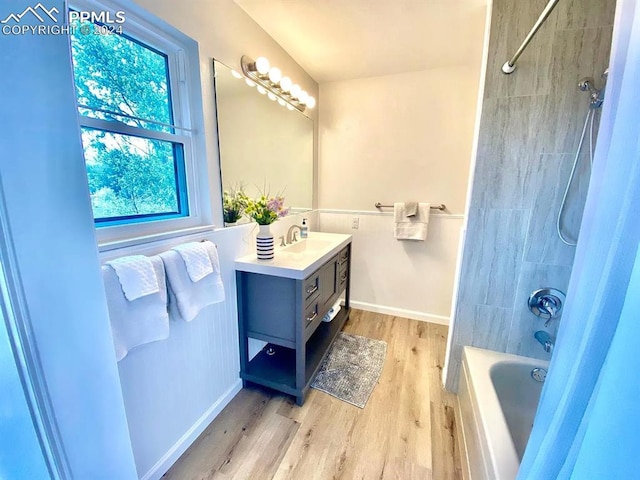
[181,55]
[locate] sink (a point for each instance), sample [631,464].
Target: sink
[307,245]
[298,260]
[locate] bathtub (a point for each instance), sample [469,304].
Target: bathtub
[497,401]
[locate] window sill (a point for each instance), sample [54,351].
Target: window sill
[142,240]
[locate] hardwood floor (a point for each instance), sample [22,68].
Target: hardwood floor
[406,431]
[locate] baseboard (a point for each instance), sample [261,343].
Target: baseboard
[162,466]
[400,312]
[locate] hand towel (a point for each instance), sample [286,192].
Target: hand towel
[136,275]
[410,209]
[186,297]
[411,228]
[134,323]
[196,258]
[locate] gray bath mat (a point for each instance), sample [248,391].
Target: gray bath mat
[352,368]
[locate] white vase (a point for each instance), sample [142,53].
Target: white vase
[264,243]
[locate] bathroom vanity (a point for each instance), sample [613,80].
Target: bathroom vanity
[283,301]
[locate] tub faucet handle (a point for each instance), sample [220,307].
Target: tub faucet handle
[546,303]
[550,306]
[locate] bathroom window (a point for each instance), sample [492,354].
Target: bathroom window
[133,108]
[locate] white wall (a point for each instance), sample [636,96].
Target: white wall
[398,138]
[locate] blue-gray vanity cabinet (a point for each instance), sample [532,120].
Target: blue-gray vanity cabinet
[287,314]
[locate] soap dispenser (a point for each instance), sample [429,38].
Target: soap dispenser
[304,230]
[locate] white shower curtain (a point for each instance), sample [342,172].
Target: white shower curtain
[588,421]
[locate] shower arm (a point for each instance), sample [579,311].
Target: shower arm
[510,66]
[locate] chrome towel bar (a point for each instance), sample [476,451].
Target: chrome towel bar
[440,207]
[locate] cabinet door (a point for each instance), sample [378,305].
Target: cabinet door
[328,285]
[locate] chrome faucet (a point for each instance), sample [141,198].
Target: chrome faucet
[544,339]
[291,234]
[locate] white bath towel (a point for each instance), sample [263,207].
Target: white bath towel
[413,227]
[136,275]
[188,298]
[134,323]
[196,258]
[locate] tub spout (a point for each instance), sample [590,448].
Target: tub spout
[544,339]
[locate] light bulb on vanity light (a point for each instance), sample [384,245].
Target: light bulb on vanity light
[282,102]
[289,107]
[303,97]
[271,96]
[311,102]
[285,84]
[251,83]
[275,75]
[295,90]
[261,89]
[236,74]
[262,65]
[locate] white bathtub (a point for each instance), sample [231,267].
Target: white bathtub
[497,401]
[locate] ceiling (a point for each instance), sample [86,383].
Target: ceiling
[345,39]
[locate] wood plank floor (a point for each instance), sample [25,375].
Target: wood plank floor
[406,431]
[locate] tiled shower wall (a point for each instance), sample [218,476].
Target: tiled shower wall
[529,132]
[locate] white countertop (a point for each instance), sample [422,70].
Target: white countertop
[298,260]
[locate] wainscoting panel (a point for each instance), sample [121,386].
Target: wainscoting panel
[404,278]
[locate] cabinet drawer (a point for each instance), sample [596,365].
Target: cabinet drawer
[343,257]
[311,288]
[343,278]
[311,315]
[342,267]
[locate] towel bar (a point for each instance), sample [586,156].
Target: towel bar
[207,240]
[441,207]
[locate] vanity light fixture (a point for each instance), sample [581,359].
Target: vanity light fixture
[260,72]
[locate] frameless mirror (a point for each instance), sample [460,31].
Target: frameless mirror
[264,147]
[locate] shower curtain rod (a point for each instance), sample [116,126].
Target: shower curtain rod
[510,66]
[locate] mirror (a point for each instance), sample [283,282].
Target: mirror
[264,147]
